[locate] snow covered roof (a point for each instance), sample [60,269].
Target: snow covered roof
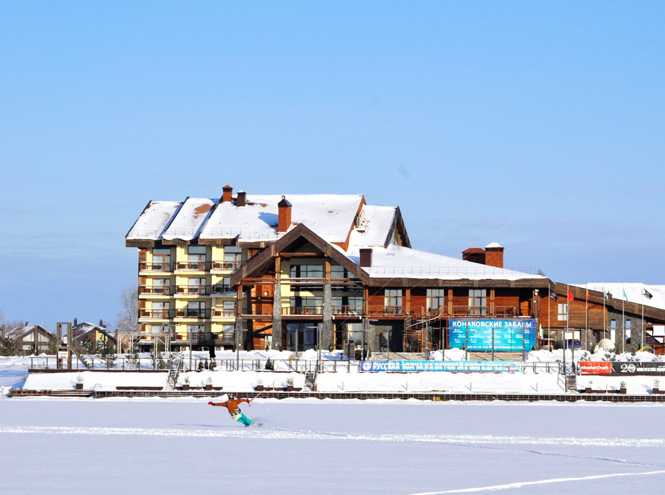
[494,245]
[18,332]
[189,219]
[152,221]
[81,329]
[331,216]
[412,263]
[374,227]
[633,292]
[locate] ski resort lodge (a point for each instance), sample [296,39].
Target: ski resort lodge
[300,271]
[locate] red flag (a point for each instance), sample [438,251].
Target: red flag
[587,294]
[570,295]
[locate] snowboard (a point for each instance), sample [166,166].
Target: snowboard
[255,424]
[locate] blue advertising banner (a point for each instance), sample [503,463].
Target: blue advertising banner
[508,334]
[451,366]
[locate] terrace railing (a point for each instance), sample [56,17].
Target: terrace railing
[156,266]
[145,363]
[163,290]
[158,314]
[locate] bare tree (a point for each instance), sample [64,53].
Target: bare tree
[127,319]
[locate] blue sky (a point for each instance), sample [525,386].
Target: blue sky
[538,125]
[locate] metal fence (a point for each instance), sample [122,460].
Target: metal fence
[228,364]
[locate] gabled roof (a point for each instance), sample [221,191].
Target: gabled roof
[19,332]
[395,266]
[376,226]
[80,330]
[330,215]
[265,258]
[189,219]
[153,220]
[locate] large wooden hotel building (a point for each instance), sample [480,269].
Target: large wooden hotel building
[299,271]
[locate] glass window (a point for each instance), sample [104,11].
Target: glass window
[393,301]
[196,285]
[563,312]
[161,259]
[628,331]
[478,302]
[196,257]
[232,256]
[161,286]
[195,309]
[307,271]
[435,299]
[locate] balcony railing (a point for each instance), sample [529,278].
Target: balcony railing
[385,311]
[223,312]
[194,337]
[223,290]
[348,310]
[157,314]
[199,266]
[226,265]
[195,290]
[193,313]
[156,266]
[164,290]
[302,310]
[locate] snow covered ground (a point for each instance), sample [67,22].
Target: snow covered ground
[13,373]
[82,446]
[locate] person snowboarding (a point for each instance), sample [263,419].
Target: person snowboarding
[233,406]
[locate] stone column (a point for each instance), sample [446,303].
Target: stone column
[327,331]
[277,307]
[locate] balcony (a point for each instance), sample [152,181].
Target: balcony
[302,310]
[194,290]
[226,265]
[385,311]
[164,290]
[193,313]
[195,338]
[347,310]
[156,314]
[194,266]
[223,312]
[156,266]
[222,290]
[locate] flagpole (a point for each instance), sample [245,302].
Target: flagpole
[623,317]
[586,319]
[549,319]
[604,314]
[644,330]
[567,327]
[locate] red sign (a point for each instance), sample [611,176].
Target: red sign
[595,367]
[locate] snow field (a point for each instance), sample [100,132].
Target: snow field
[316,447]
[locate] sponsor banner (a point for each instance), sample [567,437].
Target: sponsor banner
[595,367]
[451,366]
[508,334]
[619,368]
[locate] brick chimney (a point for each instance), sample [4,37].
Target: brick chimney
[241,199]
[284,218]
[475,255]
[494,255]
[227,193]
[365,257]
